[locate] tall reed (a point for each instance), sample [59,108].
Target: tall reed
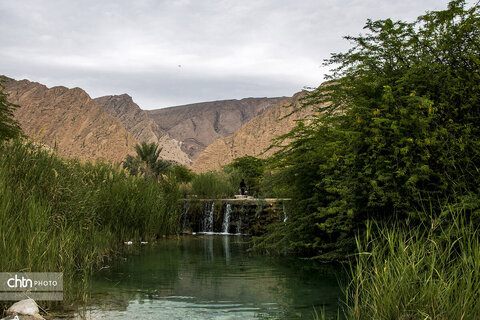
[215,185]
[65,216]
[426,272]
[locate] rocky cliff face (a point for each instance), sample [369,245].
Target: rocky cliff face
[255,136]
[69,120]
[142,127]
[198,125]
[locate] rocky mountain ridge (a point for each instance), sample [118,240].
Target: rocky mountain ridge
[254,137]
[68,120]
[198,125]
[109,127]
[142,127]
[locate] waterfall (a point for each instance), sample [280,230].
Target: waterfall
[226,218]
[239,223]
[284,214]
[208,220]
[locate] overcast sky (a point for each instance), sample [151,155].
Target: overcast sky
[172,52]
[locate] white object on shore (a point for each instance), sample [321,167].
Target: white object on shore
[143,242]
[27,307]
[128,243]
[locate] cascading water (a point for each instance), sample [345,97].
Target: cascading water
[226,218]
[208,217]
[285,217]
[239,223]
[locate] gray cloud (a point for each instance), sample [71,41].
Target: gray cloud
[182,51]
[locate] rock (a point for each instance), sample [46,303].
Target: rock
[198,125]
[23,310]
[22,317]
[142,127]
[255,136]
[68,120]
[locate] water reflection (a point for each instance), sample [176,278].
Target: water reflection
[211,277]
[226,249]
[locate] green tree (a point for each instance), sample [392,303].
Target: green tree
[9,127]
[397,131]
[181,173]
[251,169]
[148,152]
[147,161]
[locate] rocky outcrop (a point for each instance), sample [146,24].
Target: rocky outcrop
[198,125]
[69,121]
[142,127]
[254,137]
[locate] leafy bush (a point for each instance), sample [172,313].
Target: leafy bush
[251,169]
[9,127]
[397,132]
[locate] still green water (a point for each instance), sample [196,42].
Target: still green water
[211,277]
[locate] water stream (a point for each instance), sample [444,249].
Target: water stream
[208,221]
[211,277]
[226,218]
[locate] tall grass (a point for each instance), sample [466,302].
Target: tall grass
[67,216]
[216,184]
[426,272]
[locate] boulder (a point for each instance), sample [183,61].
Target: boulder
[24,309]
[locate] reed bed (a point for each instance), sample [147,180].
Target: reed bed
[61,215]
[216,184]
[422,272]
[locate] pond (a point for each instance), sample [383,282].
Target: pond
[211,277]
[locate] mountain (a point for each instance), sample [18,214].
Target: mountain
[254,136]
[109,127]
[142,127]
[198,125]
[69,120]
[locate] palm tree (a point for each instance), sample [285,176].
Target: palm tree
[148,152]
[147,160]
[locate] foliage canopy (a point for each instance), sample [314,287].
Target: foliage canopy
[251,169]
[397,132]
[9,127]
[147,161]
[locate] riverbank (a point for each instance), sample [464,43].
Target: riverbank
[59,215]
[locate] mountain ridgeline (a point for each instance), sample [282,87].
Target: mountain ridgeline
[142,127]
[198,125]
[206,135]
[69,121]
[255,136]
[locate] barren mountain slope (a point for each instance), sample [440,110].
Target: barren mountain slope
[69,120]
[198,125]
[253,137]
[142,127]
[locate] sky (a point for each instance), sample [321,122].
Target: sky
[173,52]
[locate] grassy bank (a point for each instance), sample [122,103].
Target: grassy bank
[426,272]
[66,216]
